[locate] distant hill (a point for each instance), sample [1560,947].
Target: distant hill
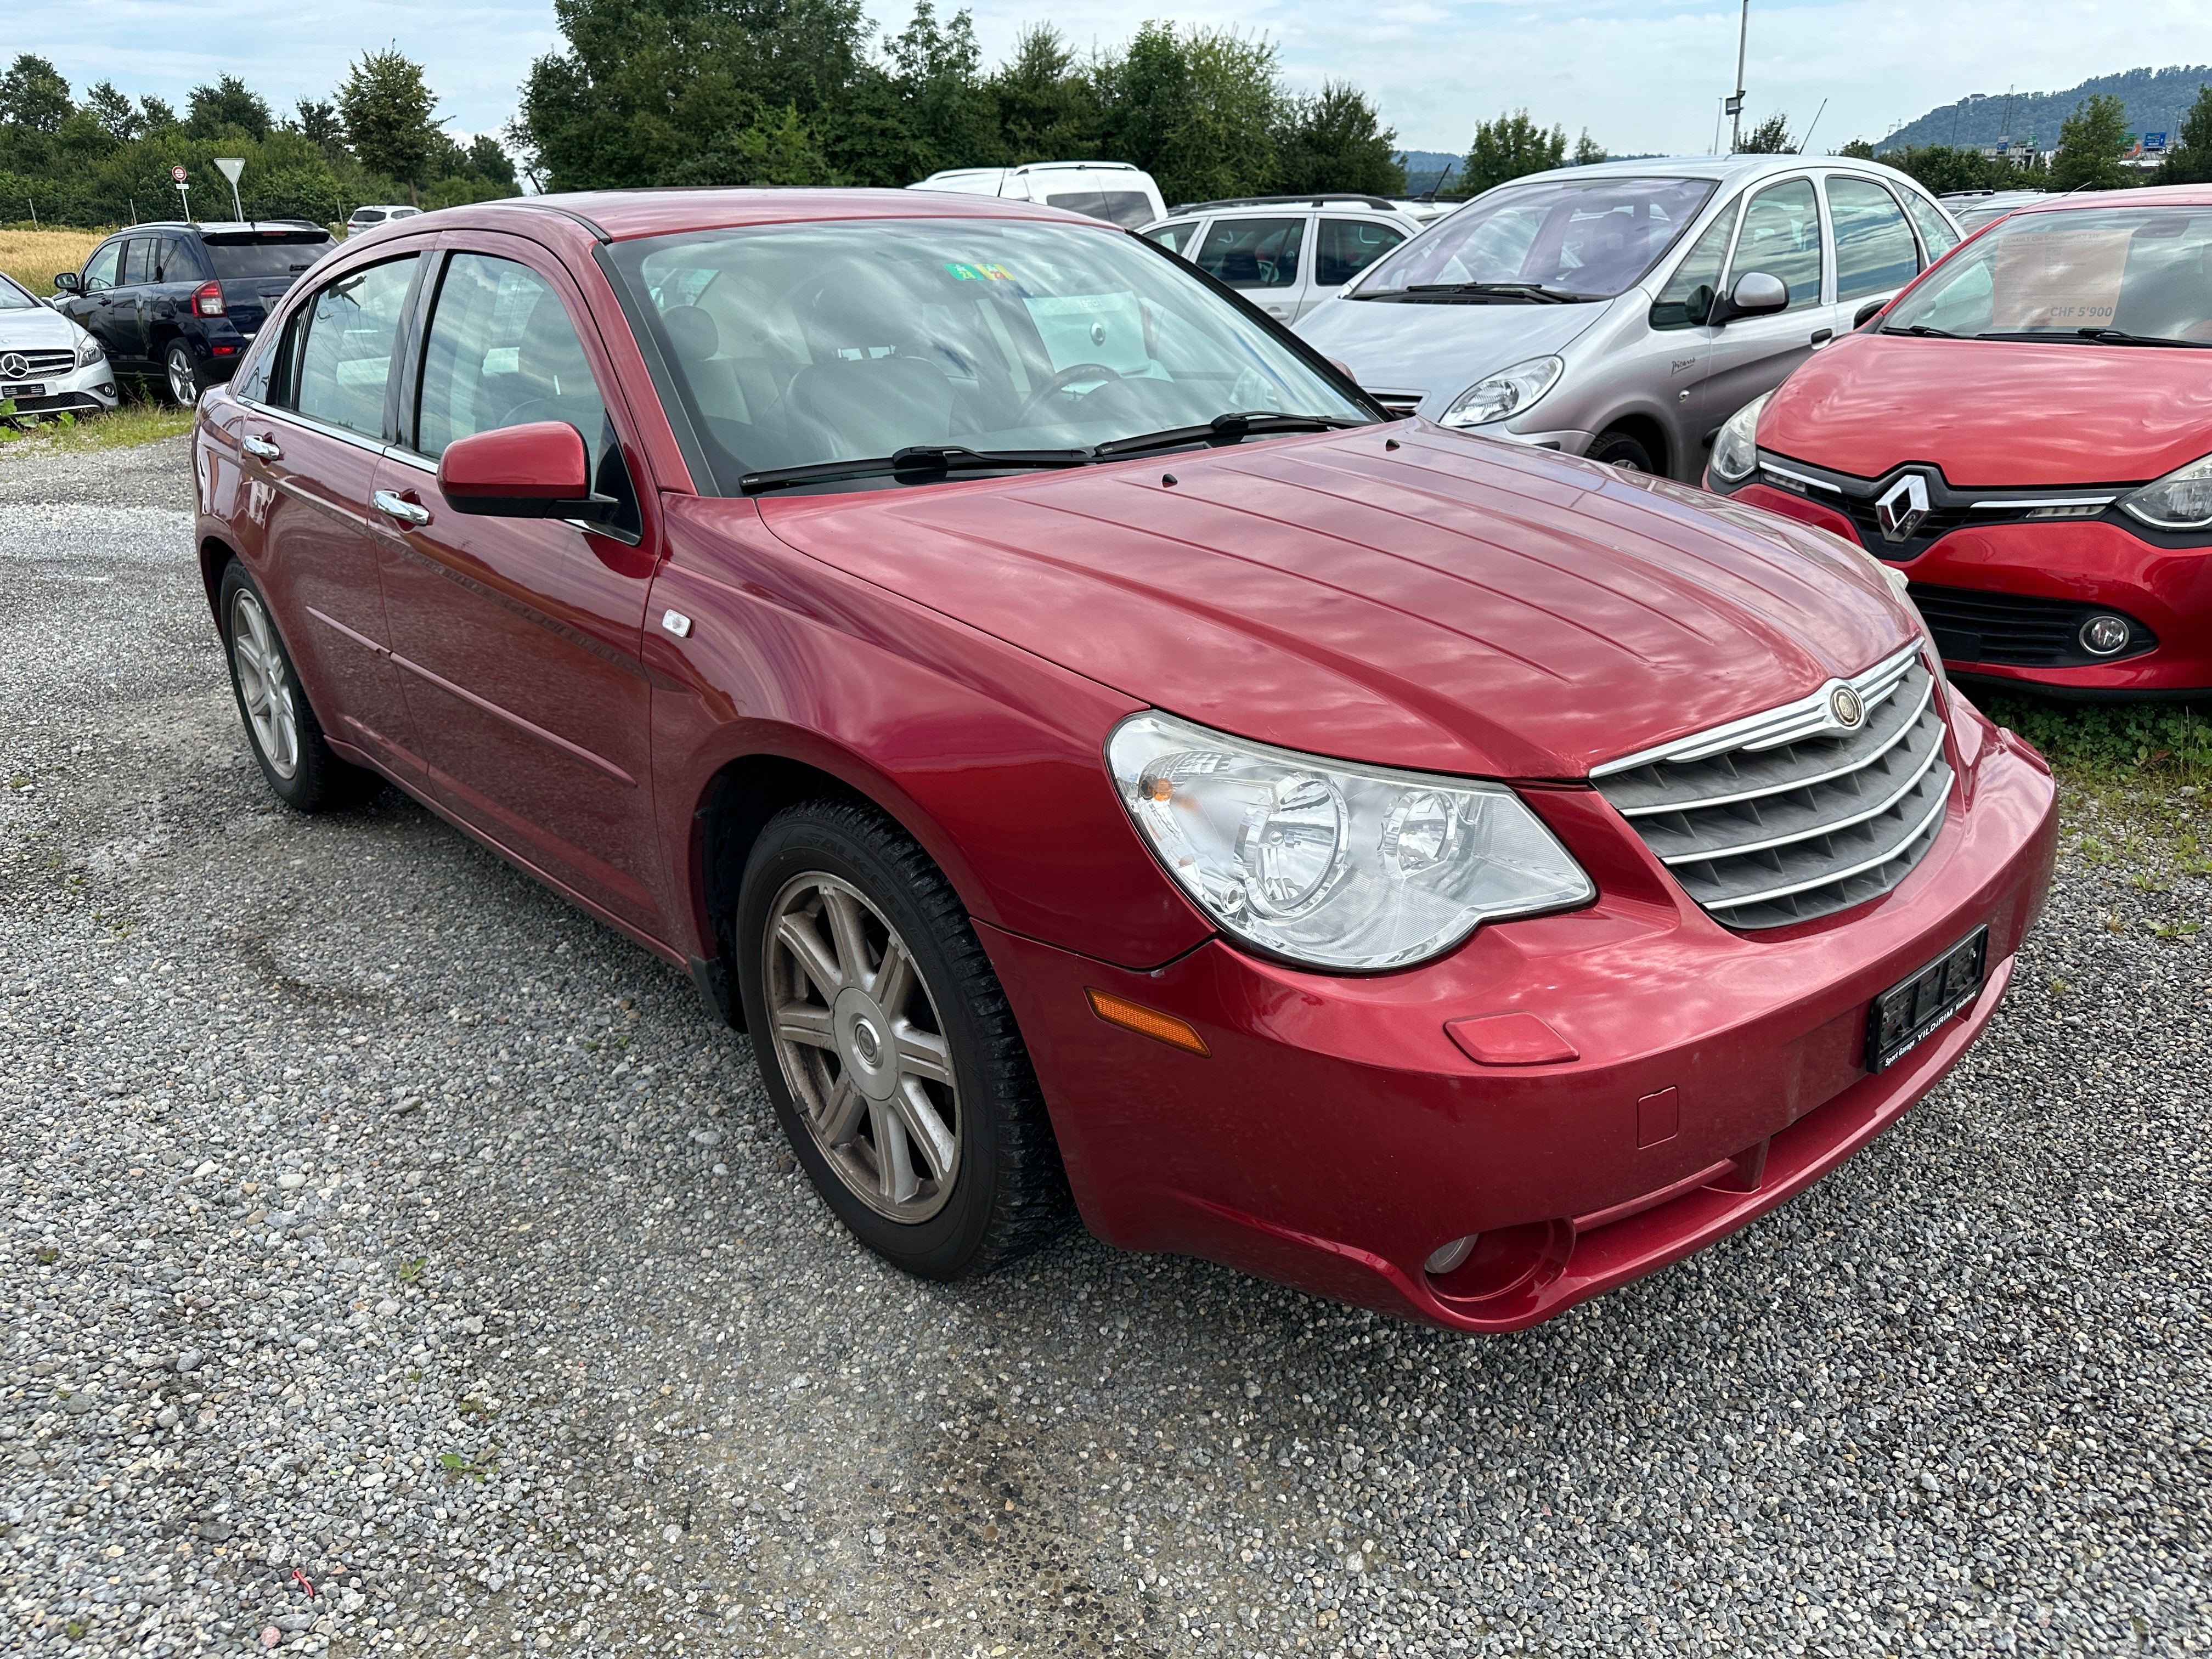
[1425,167]
[2156,100]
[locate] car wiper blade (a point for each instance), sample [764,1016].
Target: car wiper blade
[916,461]
[1928,333]
[2094,336]
[1230,428]
[1536,291]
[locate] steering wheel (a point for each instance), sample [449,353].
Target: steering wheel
[1060,382]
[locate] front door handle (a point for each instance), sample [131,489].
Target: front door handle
[398,506]
[1822,336]
[263,447]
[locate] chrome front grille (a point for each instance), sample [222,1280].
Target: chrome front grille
[1795,813]
[40,365]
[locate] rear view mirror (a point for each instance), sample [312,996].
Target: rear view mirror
[1867,313]
[540,470]
[65,282]
[1755,294]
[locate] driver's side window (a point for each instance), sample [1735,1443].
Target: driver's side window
[101,272]
[1781,236]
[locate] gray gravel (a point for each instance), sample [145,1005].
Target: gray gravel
[378,1224]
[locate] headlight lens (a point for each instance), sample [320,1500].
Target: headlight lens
[1735,452]
[1333,865]
[89,353]
[2182,499]
[1506,392]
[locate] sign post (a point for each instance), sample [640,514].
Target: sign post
[230,166]
[176,178]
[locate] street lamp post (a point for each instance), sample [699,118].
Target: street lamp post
[1735,103]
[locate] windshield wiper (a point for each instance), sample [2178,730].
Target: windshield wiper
[1535,292]
[2095,336]
[1928,333]
[1231,427]
[916,461]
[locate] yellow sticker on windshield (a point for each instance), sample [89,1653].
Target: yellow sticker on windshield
[981,273]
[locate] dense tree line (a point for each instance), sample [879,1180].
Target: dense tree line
[105,159]
[799,91]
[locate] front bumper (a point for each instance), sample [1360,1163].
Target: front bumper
[81,392]
[2096,564]
[1336,1136]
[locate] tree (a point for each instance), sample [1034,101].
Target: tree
[318,124]
[1047,108]
[1859,149]
[387,109]
[156,112]
[1509,148]
[216,109]
[33,94]
[2189,161]
[488,161]
[114,111]
[1336,141]
[1770,137]
[2091,142]
[1196,108]
[936,71]
[1588,151]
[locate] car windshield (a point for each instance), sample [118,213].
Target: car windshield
[1594,237]
[2079,273]
[15,299]
[269,256]
[801,345]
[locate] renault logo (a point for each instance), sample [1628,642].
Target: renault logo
[1845,708]
[14,366]
[1902,506]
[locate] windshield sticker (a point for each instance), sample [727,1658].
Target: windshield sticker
[2058,279]
[1108,329]
[981,273]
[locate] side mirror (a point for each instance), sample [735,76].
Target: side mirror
[1867,313]
[66,282]
[539,470]
[1755,294]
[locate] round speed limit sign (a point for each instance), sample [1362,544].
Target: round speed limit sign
[177,173]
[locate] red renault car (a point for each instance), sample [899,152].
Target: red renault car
[2027,434]
[1100,758]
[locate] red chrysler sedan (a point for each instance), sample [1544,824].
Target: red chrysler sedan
[2026,432]
[1099,757]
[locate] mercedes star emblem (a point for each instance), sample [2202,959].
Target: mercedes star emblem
[14,366]
[1902,506]
[1845,708]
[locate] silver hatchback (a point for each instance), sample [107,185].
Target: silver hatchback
[1624,311]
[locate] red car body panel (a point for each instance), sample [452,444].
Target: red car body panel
[958,653]
[2023,414]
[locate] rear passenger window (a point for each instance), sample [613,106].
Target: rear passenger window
[341,351]
[1782,237]
[501,352]
[174,261]
[1174,237]
[1935,234]
[138,262]
[1874,249]
[1345,247]
[1253,253]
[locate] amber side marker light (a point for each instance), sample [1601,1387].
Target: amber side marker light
[1146,1022]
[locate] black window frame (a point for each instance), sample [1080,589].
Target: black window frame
[283,380]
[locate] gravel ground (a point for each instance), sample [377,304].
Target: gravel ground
[398,1261]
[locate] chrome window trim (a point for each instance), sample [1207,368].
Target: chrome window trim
[310,423]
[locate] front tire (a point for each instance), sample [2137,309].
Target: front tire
[887,1047]
[281,727]
[180,377]
[1617,448]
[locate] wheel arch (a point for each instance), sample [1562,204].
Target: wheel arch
[215,554]
[1647,429]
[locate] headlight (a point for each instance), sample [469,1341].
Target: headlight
[2182,499]
[89,352]
[1506,392]
[1735,452]
[1333,864]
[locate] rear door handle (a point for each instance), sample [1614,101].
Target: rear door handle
[263,447]
[396,506]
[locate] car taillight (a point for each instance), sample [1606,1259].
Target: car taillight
[207,299]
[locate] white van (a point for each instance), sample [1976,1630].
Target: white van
[1112,190]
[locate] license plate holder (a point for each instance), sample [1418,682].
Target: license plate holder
[24,389]
[1907,1014]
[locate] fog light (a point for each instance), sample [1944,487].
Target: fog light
[1451,1255]
[2102,635]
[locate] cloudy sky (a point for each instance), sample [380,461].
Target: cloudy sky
[1642,74]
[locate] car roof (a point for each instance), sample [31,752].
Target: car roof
[2150,196]
[220,227]
[1330,198]
[1727,169]
[615,216]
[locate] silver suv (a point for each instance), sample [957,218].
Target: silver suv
[1286,253]
[1624,311]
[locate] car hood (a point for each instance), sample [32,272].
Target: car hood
[1403,596]
[38,328]
[1438,351]
[1995,413]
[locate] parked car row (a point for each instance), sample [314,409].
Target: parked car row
[1102,756]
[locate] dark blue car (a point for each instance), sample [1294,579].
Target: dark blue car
[180,303]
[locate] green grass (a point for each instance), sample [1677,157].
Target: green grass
[137,421]
[2136,785]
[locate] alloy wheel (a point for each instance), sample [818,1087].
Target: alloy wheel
[184,388]
[264,684]
[856,1033]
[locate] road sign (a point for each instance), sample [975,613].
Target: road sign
[230,166]
[177,173]
[2154,141]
